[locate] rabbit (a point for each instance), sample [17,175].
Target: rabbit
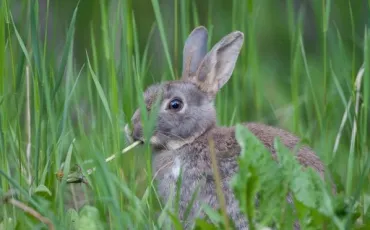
[187,120]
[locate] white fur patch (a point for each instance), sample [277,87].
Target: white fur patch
[176,168]
[172,144]
[154,140]
[176,144]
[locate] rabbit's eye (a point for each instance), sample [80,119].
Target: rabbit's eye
[175,104]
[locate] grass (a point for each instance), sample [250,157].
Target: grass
[69,105]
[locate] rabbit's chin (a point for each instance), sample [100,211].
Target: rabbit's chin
[156,144]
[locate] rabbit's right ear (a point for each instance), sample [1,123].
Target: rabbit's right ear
[218,65]
[194,51]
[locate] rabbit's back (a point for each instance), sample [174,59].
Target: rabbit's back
[266,134]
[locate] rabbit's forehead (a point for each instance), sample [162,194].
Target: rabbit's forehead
[186,90]
[151,93]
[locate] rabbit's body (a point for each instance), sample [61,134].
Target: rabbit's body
[195,161]
[186,122]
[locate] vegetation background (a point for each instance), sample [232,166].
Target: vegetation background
[72,72]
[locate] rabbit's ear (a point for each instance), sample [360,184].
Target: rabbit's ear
[194,51]
[218,65]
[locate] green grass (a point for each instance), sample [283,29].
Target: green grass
[72,104]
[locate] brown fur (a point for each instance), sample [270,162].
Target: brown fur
[305,155]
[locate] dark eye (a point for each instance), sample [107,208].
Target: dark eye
[175,104]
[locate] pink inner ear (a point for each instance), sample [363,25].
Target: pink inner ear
[186,73]
[202,72]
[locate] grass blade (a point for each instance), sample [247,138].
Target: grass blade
[163,35]
[100,90]
[66,50]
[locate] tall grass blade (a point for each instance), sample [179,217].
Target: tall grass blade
[99,88]
[163,35]
[66,50]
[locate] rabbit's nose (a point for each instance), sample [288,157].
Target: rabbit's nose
[137,133]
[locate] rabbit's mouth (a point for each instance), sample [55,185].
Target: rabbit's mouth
[133,136]
[136,135]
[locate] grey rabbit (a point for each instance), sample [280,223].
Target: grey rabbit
[187,120]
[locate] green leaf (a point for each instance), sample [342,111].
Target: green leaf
[246,182]
[67,162]
[89,219]
[175,221]
[7,224]
[214,216]
[366,203]
[202,224]
[72,219]
[298,180]
[42,189]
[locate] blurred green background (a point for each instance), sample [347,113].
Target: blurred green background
[272,23]
[296,69]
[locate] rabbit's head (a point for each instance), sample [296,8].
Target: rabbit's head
[186,106]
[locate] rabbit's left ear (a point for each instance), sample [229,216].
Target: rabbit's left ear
[194,51]
[218,65]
